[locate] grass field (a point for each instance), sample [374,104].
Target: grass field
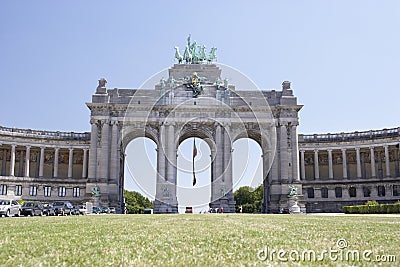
[187,240]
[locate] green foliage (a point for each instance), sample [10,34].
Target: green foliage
[372,207]
[249,198]
[136,203]
[372,203]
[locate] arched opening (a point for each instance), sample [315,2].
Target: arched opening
[247,171]
[247,163]
[196,196]
[140,168]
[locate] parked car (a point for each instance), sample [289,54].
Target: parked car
[96,210]
[112,210]
[9,208]
[75,211]
[48,209]
[63,208]
[82,209]
[105,210]
[32,208]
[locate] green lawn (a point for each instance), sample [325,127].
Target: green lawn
[185,240]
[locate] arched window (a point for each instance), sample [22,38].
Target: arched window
[324,192]
[338,192]
[367,191]
[352,191]
[381,191]
[310,192]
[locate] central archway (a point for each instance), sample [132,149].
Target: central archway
[194,189]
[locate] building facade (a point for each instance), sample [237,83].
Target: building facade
[349,168]
[328,171]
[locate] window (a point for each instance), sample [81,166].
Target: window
[47,191]
[352,191]
[310,192]
[33,190]
[18,190]
[3,189]
[62,191]
[338,192]
[367,191]
[396,190]
[324,192]
[76,192]
[381,191]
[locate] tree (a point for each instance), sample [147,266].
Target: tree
[249,199]
[136,203]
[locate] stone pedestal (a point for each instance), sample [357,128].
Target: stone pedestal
[293,206]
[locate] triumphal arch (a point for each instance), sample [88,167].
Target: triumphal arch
[195,100]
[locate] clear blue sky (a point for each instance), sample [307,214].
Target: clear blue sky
[343,57]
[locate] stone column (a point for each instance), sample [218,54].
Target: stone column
[316,165]
[373,174]
[27,160]
[12,161]
[105,150]
[161,153]
[275,160]
[84,167]
[70,162]
[114,161]
[56,154]
[219,167]
[228,160]
[330,164]
[295,153]
[358,158]
[41,163]
[284,153]
[4,163]
[303,166]
[344,163]
[387,161]
[93,150]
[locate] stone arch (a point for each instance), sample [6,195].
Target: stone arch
[130,133]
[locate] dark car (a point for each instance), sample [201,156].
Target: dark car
[48,209]
[63,208]
[105,210]
[75,210]
[96,210]
[32,208]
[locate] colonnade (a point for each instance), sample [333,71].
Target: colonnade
[27,159]
[344,150]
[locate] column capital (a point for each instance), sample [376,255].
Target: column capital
[357,149]
[28,147]
[13,146]
[316,151]
[329,150]
[71,149]
[302,151]
[343,149]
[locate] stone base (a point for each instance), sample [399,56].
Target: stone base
[293,206]
[227,204]
[164,208]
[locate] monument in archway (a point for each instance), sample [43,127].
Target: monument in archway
[195,100]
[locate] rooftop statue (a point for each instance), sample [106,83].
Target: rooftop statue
[195,53]
[178,55]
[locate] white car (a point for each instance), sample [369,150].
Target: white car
[9,208]
[82,210]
